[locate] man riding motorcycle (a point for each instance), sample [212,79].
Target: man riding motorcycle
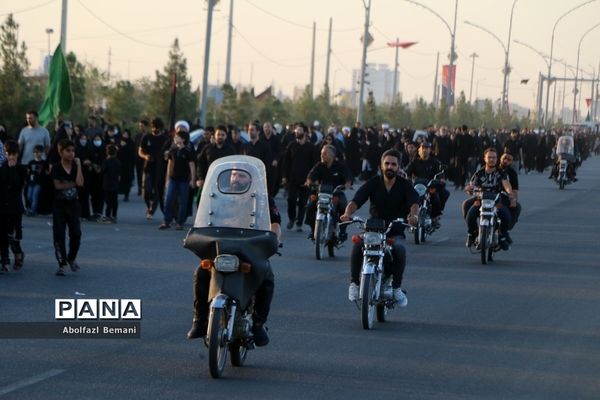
[239,182]
[422,170]
[391,197]
[488,178]
[328,171]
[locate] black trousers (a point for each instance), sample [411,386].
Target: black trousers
[296,202]
[396,266]
[10,235]
[66,213]
[262,297]
[111,198]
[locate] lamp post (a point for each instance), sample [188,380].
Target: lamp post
[506,48]
[450,90]
[397,44]
[577,71]
[363,65]
[552,52]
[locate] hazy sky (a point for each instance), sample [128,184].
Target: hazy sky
[272,40]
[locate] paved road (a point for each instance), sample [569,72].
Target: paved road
[526,326]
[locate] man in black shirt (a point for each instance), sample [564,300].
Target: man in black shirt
[256,147]
[299,158]
[151,151]
[212,152]
[514,207]
[391,197]
[328,171]
[423,169]
[488,178]
[274,142]
[66,211]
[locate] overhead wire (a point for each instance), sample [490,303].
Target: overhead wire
[29,9]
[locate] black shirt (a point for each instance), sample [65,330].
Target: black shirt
[12,182]
[260,150]
[181,159]
[111,174]
[297,162]
[385,204]
[36,171]
[58,173]
[209,154]
[513,178]
[491,182]
[423,170]
[152,145]
[337,174]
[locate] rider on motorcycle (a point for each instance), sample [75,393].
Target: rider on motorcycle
[506,161]
[489,179]
[565,150]
[422,169]
[328,171]
[239,182]
[391,197]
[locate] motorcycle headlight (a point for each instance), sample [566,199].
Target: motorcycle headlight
[487,203]
[227,263]
[372,238]
[324,198]
[420,189]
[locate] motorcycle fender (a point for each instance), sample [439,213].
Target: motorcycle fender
[484,222]
[320,217]
[219,301]
[368,268]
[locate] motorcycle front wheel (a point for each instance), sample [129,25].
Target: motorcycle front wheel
[319,239]
[367,304]
[217,349]
[561,182]
[483,242]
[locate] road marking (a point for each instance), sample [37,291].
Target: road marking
[30,381]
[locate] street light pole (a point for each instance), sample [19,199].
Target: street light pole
[452,36]
[363,64]
[552,52]
[577,71]
[211,6]
[473,56]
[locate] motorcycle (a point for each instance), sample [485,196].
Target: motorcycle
[326,225]
[425,226]
[231,235]
[487,241]
[375,293]
[565,159]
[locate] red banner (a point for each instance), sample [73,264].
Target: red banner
[448,77]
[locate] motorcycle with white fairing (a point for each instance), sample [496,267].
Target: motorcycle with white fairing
[232,237]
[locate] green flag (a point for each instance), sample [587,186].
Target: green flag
[58,98]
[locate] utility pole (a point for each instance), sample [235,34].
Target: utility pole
[312,61]
[473,56]
[228,65]
[396,65]
[435,81]
[328,56]
[363,64]
[63,27]
[211,6]
[109,62]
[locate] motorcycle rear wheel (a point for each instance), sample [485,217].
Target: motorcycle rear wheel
[367,305]
[217,349]
[238,354]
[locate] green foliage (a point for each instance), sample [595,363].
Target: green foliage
[160,93]
[79,110]
[423,115]
[123,104]
[371,117]
[18,93]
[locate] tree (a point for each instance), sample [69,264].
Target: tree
[306,108]
[423,115]
[462,113]
[122,103]
[17,92]
[227,111]
[160,93]
[79,110]
[372,117]
[246,108]
[442,116]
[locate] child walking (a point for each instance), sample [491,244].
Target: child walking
[12,181]
[36,169]
[111,175]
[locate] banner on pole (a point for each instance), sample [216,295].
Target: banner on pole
[448,77]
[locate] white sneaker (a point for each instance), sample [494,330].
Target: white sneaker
[353,292]
[400,297]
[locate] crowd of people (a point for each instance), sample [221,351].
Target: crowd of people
[168,167]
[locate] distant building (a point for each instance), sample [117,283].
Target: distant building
[379,79]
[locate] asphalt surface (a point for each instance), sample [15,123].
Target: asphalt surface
[525,326]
